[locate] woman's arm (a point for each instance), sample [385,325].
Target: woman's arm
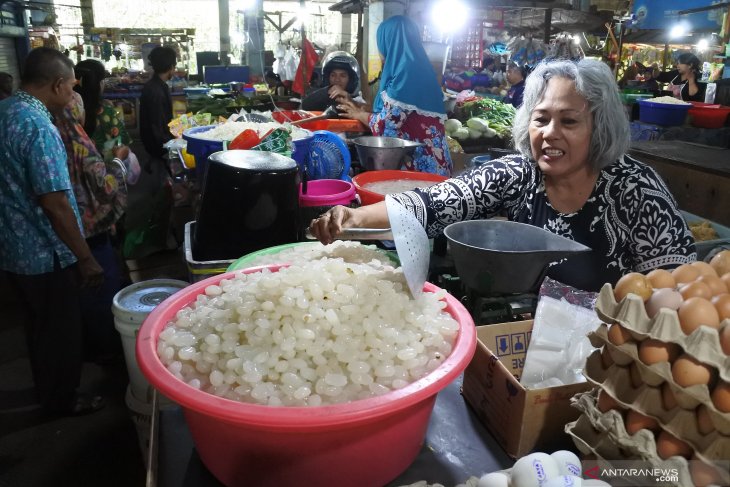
[480,193]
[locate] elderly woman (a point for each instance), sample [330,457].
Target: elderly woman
[410,104]
[571,177]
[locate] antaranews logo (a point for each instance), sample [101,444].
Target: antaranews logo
[619,473]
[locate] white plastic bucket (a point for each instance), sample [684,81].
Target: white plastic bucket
[131,306]
[141,415]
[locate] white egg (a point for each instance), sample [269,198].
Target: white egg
[564,481]
[534,470]
[595,483]
[494,479]
[568,462]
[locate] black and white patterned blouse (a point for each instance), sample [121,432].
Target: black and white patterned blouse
[630,221]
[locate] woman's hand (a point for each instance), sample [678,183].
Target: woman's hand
[330,224]
[120,152]
[350,109]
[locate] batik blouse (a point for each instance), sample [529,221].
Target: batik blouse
[630,221]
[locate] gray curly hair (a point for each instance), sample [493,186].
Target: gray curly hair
[595,82]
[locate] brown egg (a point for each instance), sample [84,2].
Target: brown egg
[661,278]
[722,305]
[606,402]
[668,445]
[652,351]
[725,339]
[721,397]
[687,371]
[704,422]
[695,312]
[663,298]
[721,262]
[635,283]
[726,279]
[704,475]
[606,359]
[635,421]
[685,273]
[635,375]
[704,268]
[716,285]
[695,289]
[669,402]
[618,335]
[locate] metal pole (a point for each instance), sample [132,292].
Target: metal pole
[225,38]
[548,21]
[305,71]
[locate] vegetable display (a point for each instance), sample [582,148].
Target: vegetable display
[483,118]
[496,114]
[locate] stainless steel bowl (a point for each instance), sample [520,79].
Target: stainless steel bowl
[377,153]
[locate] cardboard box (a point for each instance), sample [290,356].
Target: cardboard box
[521,420]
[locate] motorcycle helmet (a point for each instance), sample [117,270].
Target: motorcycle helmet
[342,60]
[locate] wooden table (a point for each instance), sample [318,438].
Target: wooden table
[697,175]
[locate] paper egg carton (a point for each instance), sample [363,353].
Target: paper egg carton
[607,447]
[656,374]
[703,343]
[682,423]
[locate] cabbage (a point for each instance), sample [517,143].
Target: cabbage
[452,125]
[477,124]
[461,134]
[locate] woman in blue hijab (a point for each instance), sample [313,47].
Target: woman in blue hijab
[410,102]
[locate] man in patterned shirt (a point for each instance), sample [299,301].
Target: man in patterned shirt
[43,254]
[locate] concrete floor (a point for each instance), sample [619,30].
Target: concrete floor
[100,449]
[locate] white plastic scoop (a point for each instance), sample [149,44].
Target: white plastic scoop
[411,243]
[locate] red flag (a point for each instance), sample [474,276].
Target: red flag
[306,65]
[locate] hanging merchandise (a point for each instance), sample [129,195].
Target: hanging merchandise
[526,50]
[306,66]
[565,47]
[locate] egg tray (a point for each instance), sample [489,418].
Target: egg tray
[656,374]
[703,343]
[606,447]
[682,423]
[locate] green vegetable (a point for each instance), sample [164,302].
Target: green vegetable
[490,132]
[452,125]
[477,124]
[474,133]
[461,134]
[498,115]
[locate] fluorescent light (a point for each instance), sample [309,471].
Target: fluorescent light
[449,16]
[677,31]
[702,44]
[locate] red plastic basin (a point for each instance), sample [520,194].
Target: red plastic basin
[361,443]
[368,197]
[708,116]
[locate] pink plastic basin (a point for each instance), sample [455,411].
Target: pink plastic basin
[362,443]
[327,192]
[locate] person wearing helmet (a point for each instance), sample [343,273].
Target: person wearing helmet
[340,72]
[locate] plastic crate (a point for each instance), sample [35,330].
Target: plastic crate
[668,114]
[704,247]
[199,270]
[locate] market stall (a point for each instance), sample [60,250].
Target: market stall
[697,175]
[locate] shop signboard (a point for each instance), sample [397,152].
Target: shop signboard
[663,14]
